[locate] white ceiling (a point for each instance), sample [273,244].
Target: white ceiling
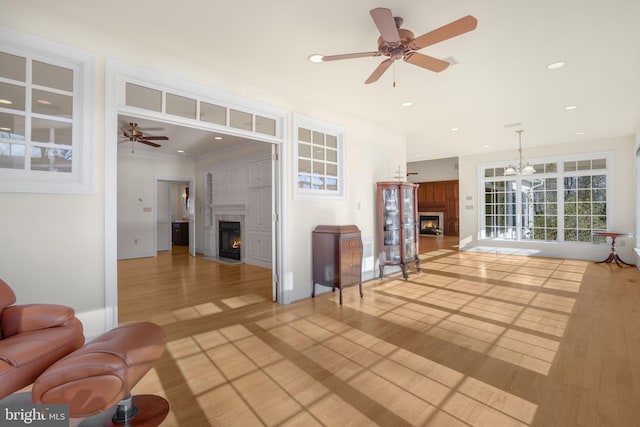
[182,142]
[500,77]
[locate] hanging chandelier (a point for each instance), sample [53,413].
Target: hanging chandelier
[521,168]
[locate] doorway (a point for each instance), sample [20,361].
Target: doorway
[269,127]
[179,206]
[173,220]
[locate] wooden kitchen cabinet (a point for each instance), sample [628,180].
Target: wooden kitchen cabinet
[337,257]
[180,233]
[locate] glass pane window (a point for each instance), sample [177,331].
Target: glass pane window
[46,122]
[36,135]
[585,207]
[500,203]
[13,67]
[52,76]
[265,125]
[143,97]
[52,104]
[181,106]
[213,113]
[240,120]
[561,205]
[318,152]
[12,96]
[48,131]
[539,209]
[50,159]
[12,156]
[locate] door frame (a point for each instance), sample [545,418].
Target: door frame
[192,217]
[117,73]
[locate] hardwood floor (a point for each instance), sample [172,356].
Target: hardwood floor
[475,339]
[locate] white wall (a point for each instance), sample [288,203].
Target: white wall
[372,155]
[137,176]
[623,199]
[163,217]
[433,170]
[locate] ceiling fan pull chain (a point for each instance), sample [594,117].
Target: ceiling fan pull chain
[394,73]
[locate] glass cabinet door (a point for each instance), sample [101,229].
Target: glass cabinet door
[391,222]
[408,222]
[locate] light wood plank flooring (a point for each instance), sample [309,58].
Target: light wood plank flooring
[475,339]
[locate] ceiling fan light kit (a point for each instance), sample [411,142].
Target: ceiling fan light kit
[397,43]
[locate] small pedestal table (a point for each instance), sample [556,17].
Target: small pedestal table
[613,256]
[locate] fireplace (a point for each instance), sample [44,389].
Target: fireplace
[229,240]
[431,222]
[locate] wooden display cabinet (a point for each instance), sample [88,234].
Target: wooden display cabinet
[398,226]
[337,257]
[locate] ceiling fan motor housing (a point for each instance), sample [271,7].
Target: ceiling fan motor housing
[396,50]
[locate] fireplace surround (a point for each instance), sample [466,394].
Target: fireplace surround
[431,223]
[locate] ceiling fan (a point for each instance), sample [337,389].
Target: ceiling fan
[396,43]
[134,134]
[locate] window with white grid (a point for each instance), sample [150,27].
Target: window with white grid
[565,200]
[318,159]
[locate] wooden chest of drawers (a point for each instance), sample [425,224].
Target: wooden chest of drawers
[337,257]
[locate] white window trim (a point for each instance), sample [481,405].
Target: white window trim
[608,155]
[300,121]
[80,180]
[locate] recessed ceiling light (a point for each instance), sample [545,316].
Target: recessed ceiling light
[43,102]
[316,58]
[418,155]
[486,146]
[180,151]
[217,137]
[454,129]
[407,104]
[571,107]
[579,133]
[5,101]
[555,65]
[7,129]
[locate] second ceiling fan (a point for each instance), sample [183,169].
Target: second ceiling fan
[397,43]
[134,134]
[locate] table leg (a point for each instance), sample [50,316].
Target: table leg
[613,256]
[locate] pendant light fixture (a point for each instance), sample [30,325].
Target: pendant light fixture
[521,168]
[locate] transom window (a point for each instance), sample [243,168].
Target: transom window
[318,159]
[565,200]
[190,107]
[43,134]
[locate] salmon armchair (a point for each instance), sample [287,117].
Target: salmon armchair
[32,338]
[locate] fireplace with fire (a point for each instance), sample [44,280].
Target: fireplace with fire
[431,223]
[229,239]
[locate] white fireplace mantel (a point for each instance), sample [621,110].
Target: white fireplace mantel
[233,207]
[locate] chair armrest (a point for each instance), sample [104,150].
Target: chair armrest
[18,319]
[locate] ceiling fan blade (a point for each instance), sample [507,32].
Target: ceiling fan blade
[153,144]
[349,56]
[425,61]
[452,29]
[379,71]
[126,133]
[383,18]
[155,138]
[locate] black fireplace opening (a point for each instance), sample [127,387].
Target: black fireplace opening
[430,224]
[229,239]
